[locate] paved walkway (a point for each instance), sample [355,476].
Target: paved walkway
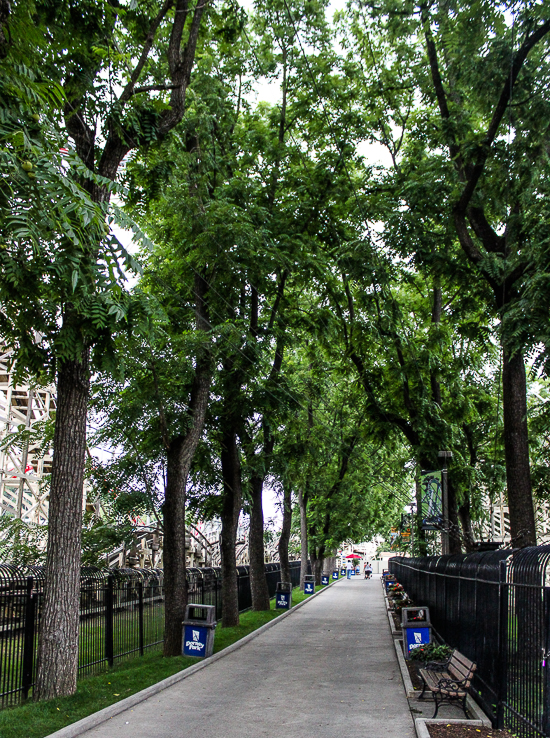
[327,671]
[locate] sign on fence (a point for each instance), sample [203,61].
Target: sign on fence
[432,500]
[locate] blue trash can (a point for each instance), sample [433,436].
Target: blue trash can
[417,628]
[283,596]
[324,579]
[199,628]
[309,584]
[335,574]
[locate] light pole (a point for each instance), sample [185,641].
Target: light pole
[445,544]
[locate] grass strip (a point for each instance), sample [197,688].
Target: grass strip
[39,719]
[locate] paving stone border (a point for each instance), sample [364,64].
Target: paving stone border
[87,723]
[421,724]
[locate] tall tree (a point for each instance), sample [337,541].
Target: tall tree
[146,54]
[484,107]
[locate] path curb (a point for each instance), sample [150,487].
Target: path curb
[421,724]
[91,721]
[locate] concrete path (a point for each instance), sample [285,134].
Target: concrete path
[327,671]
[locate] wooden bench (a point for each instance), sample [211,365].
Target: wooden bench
[448,682]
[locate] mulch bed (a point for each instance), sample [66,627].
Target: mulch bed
[462,731]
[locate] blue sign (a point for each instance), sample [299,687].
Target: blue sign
[324,579]
[335,575]
[343,572]
[282,601]
[352,572]
[309,588]
[416,638]
[194,643]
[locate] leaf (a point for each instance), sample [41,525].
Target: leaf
[74,279]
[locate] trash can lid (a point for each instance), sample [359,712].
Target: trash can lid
[203,614]
[284,586]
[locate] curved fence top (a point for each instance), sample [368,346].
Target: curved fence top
[530,565]
[524,566]
[12,575]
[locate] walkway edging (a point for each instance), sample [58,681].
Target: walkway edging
[92,721]
[421,724]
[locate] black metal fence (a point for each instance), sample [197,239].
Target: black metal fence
[121,615]
[495,608]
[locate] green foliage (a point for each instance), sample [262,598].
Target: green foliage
[431,652]
[21,543]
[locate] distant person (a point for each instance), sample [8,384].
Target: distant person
[368,570]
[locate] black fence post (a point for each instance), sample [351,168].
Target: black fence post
[503,645]
[546,664]
[140,618]
[109,608]
[28,642]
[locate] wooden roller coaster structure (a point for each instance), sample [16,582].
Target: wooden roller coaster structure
[24,493]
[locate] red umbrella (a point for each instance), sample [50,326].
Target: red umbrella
[354,556]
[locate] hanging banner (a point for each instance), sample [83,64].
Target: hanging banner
[394,535]
[432,500]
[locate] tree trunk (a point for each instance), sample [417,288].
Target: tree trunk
[285,534]
[455,538]
[317,566]
[232,500]
[516,449]
[302,504]
[258,580]
[58,642]
[420,532]
[466,523]
[179,459]
[175,580]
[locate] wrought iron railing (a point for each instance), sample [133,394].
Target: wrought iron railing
[121,615]
[495,608]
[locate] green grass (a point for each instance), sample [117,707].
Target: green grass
[36,720]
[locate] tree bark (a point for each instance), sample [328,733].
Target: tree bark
[175,580]
[58,641]
[258,580]
[180,453]
[317,561]
[231,508]
[516,450]
[420,532]
[466,523]
[302,504]
[455,539]
[285,534]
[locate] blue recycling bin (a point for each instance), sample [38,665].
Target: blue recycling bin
[324,579]
[335,574]
[417,628]
[309,584]
[199,627]
[283,596]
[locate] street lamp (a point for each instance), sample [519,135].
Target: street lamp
[445,544]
